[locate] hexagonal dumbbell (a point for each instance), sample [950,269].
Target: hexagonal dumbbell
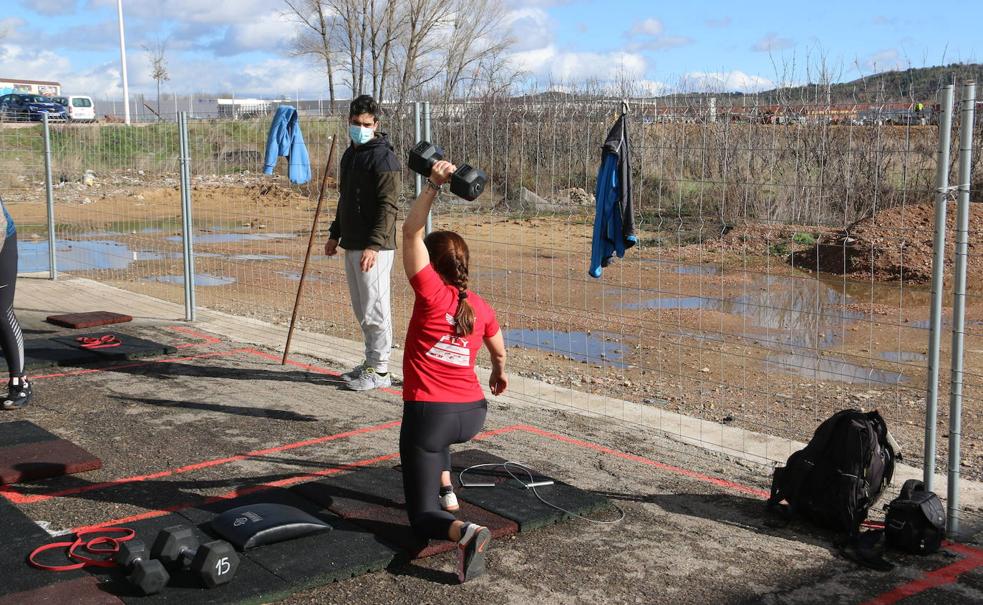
[467,181]
[143,573]
[214,563]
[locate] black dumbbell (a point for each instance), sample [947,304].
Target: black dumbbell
[467,181]
[145,574]
[215,563]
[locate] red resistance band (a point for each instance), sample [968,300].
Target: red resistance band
[99,545]
[98,342]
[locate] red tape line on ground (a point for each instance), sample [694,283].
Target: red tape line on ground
[944,575]
[242,491]
[199,335]
[932,579]
[20,498]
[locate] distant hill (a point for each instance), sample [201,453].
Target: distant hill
[918,83]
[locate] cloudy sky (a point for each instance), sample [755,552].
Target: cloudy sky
[240,45]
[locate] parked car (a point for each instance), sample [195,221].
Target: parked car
[25,107]
[81,109]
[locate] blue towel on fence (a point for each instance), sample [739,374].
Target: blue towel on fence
[285,139]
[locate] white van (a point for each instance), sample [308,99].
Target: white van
[81,109]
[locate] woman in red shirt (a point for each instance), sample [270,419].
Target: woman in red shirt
[443,402]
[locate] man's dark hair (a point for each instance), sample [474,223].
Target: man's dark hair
[364,104]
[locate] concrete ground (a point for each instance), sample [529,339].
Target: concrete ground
[694,529]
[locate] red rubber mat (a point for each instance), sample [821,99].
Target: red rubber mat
[28,452]
[373,498]
[90,319]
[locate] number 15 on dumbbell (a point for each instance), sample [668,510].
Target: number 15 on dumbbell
[467,181]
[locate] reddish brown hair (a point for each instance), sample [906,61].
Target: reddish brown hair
[449,256]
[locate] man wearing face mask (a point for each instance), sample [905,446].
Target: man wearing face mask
[365,227]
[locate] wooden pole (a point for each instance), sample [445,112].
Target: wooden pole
[310,246]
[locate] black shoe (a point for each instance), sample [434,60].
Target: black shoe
[18,394]
[471,552]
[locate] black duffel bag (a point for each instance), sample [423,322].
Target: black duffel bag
[915,520]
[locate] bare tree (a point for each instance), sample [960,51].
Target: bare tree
[156,54]
[422,18]
[317,36]
[352,18]
[384,29]
[473,43]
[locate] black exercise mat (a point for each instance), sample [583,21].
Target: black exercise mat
[131,347]
[21,536]
[40,353]
[512,501]
[372,497]
[20,432]
[320,558]
[252,583]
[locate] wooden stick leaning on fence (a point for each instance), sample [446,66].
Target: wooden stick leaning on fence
[310,246]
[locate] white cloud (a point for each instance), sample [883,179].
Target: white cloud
[663,43]
[563,66]
[771,43]
[272,31]
[531,28]
[15,59]
[649,34]
[218,12]
[730,81]
[883,60]
[51,7]
[647,27]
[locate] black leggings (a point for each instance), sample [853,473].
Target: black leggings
[425,437]
[11,338]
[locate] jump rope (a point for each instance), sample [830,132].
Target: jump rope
[532,485]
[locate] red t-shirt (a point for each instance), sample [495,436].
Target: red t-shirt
[438,365]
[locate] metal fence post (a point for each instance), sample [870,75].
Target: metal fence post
[186,219]
[959,302]
[938,271]
[50,196]
[418,181]
[426,137]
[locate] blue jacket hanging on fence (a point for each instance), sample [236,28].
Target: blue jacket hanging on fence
[614,222]
[285,139]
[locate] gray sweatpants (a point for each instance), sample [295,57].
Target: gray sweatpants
[370,301]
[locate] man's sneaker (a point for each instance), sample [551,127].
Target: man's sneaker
[370,379]
[18,395]
[353,373]
[449,502]
[471,550]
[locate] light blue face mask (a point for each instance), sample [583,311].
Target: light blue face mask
[360,134]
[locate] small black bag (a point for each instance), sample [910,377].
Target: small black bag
[915,520]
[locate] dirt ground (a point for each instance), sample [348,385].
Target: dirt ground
[738,329]
[693,532]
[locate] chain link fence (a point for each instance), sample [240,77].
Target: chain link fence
[782,270]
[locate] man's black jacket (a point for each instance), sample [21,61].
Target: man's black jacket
[369,189]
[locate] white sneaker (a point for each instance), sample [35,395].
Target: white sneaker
[449,502]
[354,373]
[370,379]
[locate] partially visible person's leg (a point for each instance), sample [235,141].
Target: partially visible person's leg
[11,337]
[421,452]
[352,259]
[376,322]
[427,431]
[378,326]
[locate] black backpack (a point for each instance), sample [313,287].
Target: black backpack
[839,475]
[915,520]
